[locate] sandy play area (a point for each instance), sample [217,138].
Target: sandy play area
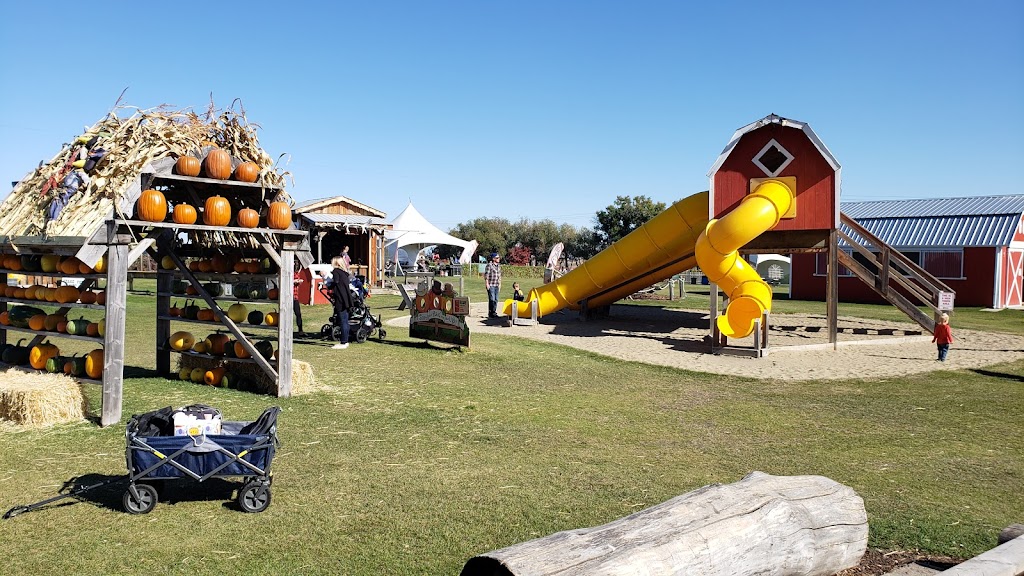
[671,337]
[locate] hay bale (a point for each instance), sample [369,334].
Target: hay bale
[40,399]
[303,379]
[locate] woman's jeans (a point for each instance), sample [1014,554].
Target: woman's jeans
[343,322]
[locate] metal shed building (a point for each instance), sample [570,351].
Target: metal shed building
[975,245]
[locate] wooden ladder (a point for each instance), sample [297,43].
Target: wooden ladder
[892,269]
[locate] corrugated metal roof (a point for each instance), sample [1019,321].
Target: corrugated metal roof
[940,222]
[935,207]
[949,232]
[344,220]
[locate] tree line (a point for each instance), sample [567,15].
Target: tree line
[528,241]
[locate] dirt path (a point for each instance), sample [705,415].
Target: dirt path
[672,337]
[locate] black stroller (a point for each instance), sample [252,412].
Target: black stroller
[362,324]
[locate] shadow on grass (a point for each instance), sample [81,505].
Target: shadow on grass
[993,374]
[107,491]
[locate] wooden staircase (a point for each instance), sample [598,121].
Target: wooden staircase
[892,269]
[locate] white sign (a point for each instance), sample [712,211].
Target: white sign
[946,300]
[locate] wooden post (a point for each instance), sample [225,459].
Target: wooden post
[113,338]
[3,308]
[832,289]
[284,328]
[164,280]
[784,525]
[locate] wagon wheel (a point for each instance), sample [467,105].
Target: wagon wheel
[143,503]
[254,496]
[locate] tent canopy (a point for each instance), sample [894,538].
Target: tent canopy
[413,233]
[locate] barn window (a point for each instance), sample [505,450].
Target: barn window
[944,264]
[773,158]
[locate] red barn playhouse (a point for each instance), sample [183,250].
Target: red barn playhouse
[974,245]
[788,150]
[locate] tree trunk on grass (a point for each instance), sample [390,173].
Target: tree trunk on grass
[763,525]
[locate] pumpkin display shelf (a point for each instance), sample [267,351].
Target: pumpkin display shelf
[50,333]
[92,276]
[30,370]
[266,301]
[47,303]
[234,359]
[241,325]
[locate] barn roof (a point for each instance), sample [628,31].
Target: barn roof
[320,203]
[941,222]
[784,122]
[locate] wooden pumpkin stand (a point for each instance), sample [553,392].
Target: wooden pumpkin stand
[123,239]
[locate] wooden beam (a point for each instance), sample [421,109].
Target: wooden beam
[114,334]
[832,289]
[286,321]
[141,247]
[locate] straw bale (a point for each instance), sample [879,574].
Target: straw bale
[40,398]
[132,141]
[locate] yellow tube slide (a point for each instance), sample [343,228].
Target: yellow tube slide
[643,257]
[717,256]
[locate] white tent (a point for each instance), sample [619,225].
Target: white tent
[411,233]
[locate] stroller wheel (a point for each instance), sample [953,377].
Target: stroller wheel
[336,333]
[325,331]
[361,335]
[382,334]
[143,503]
[254,496]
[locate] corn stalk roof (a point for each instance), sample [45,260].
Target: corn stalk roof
[134,140]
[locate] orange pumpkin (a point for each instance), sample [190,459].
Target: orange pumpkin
[184,214]
[66,294]
[5,318]
[279,216]
[187,166]
[218,342]
[87,297]
[205,265]
[220,264]
[83,268]
[62,325]
[101,298]
[152,206]
[240,351]
[37,322]
[52,320]
[217,165]
[239,267]
[93,329]
[69,266]
[272,294]
[94,363]
[248,218]
[206,315]
[252,266]
[247,172]
[213,376]
[217,211]
[39,354]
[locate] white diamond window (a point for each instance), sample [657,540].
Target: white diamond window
[773,158]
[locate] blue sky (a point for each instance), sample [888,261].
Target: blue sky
[538,109]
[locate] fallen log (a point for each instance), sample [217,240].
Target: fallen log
[763,524]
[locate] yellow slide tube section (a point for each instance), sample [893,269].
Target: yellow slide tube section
[717,256]
[636,261]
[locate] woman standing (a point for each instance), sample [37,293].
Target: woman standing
[342,298]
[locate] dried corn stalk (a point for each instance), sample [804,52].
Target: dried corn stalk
[131,143]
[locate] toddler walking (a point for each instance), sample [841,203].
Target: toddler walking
[943,336]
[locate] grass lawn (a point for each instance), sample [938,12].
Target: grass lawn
[417,457]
